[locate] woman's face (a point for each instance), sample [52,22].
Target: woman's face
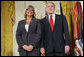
[29,12]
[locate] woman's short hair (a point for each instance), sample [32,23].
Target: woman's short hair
[30,7]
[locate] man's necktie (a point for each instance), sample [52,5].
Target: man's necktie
[51,23]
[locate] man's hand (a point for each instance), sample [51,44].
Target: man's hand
[42,50]
[67,48]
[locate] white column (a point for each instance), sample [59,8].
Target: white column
[19,15]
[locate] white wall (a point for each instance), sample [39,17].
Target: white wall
[19,15]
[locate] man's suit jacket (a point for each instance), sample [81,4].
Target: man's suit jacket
[55,40]
[32,37]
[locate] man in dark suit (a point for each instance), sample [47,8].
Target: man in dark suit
[54,28]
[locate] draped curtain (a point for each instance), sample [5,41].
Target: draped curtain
[68,8]
[7,22]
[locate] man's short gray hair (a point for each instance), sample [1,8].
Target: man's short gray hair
[51,3]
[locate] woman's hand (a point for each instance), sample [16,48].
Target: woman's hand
[25,47]
[28,48]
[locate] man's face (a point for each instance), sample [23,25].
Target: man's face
[50,8]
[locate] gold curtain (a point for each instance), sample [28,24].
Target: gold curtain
[7,22]
[67,8]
